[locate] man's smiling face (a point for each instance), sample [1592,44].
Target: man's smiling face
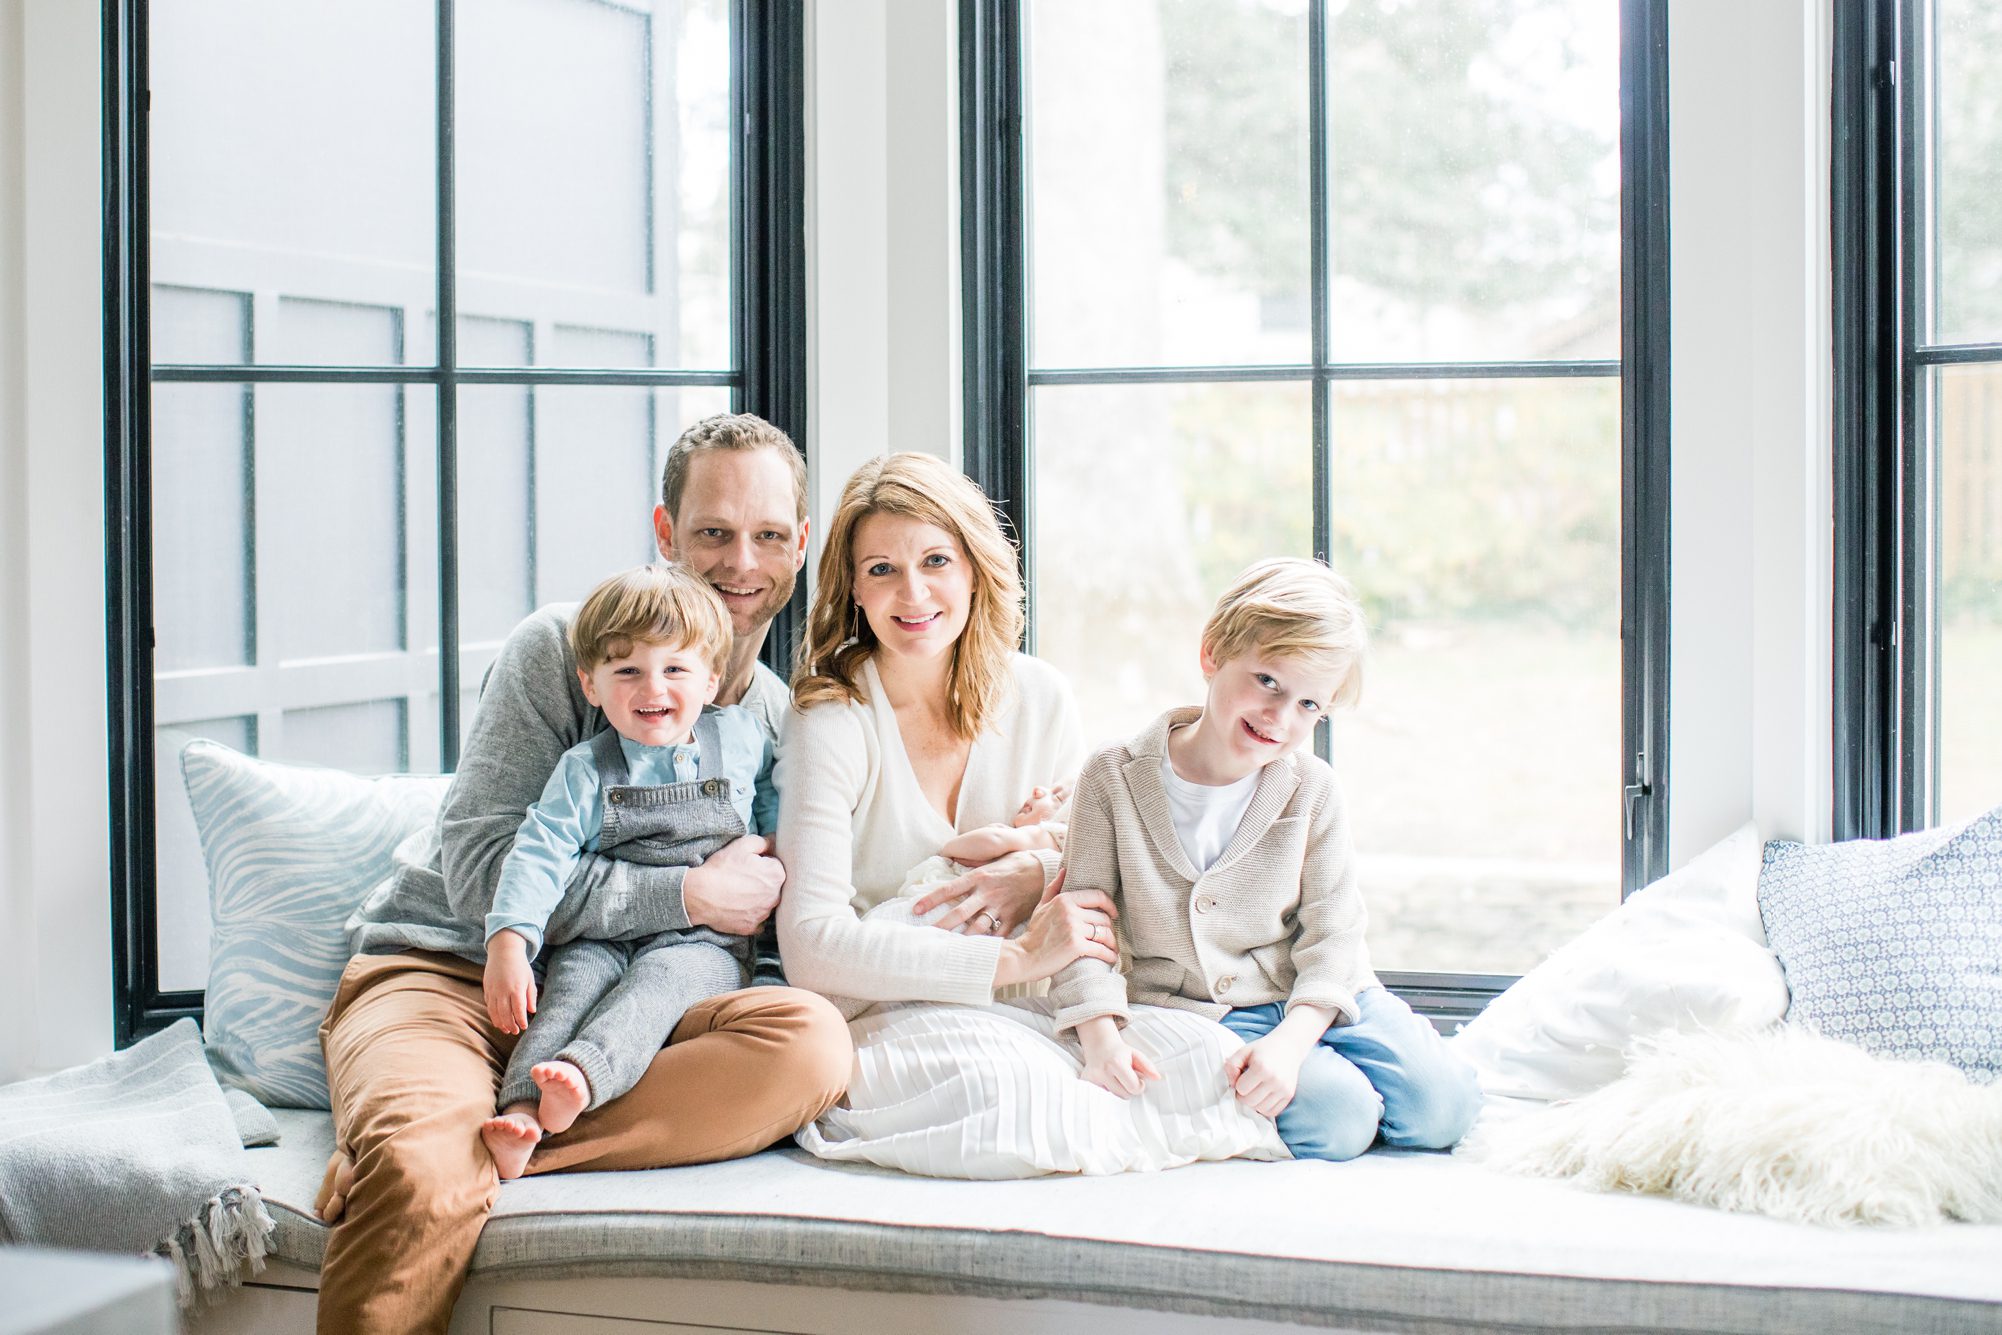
[738,528]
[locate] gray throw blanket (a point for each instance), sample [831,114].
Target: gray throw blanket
[134,1152]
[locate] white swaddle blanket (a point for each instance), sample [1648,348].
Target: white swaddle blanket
[995,1091]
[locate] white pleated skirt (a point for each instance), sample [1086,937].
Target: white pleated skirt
[994,1092]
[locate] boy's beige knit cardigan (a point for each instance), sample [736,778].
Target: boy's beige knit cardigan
[1278,918]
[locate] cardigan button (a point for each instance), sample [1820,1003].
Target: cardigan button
[615,797]
[1204,903]
[712,787]
[1223,984]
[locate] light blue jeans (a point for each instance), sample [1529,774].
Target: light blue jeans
[1389,1075]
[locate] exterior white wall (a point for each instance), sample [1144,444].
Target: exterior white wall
[1750,365]
[53,797]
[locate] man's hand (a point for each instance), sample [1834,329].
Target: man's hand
[509,983]
[736,889]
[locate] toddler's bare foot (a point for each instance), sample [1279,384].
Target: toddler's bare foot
[334,1187]
[565,1091]
[510,1138]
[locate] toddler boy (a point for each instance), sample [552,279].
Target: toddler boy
[670,781]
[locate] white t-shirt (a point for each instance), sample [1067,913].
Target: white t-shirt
[1205,816]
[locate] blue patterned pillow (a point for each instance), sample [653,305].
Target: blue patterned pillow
[290,850]
[1895,944]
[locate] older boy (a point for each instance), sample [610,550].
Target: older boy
[1226,847]
[413,1060]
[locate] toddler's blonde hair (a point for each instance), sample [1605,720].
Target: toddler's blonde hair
[651,604]
[1293,608]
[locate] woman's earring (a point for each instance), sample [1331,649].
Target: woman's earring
[855,621]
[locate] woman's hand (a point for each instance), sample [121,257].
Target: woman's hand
[1064,928]
[509,984]
[992,900]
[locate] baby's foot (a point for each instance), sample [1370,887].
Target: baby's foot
[565,1091]
[334,1187]
[510,1138]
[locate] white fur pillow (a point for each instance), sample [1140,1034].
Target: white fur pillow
[1685,953]
[1779,1122]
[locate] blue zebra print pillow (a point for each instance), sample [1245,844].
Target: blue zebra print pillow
[290,850]
[1895,944]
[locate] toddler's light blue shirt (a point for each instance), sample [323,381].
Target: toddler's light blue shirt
[565,822]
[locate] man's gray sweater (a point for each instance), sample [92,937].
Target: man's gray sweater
[531,711]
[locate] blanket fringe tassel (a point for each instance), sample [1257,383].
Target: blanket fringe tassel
[210,1250]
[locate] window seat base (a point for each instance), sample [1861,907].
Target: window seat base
[1390,1242]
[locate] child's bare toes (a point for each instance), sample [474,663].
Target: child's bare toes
[510,1138]
[565,1092]
[339,1179]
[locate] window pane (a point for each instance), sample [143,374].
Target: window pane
[366,738]
[1969,418]
[335,332]
[1480,521]
[183,893]
[203,564]
[1967,172]
[1149,499]
[1475,211]
[192,325]
[496,480]
[292,153]
[594,169]
[1167,163]
[332,490]
[598,454]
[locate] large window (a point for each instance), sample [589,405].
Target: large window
[1918,299]
[1346,279]
[411,298]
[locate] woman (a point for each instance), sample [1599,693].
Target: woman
[914,720]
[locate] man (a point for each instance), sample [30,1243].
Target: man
[414,1064]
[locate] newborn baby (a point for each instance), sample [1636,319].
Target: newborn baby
[1029,828]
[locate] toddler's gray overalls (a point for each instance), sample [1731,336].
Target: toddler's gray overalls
[609,1006]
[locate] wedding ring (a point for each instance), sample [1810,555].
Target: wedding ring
[991,919]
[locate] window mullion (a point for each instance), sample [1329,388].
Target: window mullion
[448,396]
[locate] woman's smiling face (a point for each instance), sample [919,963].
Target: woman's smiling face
[912,582]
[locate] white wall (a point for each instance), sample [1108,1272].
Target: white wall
[1750,357]
[16,984]
[883,342]
[53,799]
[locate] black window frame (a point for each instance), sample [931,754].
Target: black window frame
[1886,638]
[993,258]
[768,338]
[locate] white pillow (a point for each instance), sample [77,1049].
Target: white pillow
[1685,953]
[290,850]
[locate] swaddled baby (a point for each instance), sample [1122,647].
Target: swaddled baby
[1031,827]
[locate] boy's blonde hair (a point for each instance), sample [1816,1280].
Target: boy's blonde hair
[1293,608]
[651,604]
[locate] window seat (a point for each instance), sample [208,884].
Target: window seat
[1402,1242]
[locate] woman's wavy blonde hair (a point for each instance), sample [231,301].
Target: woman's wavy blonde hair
[927,489]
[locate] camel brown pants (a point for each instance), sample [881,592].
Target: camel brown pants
[413,1065]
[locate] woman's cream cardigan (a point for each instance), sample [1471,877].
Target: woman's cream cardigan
[852,822]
